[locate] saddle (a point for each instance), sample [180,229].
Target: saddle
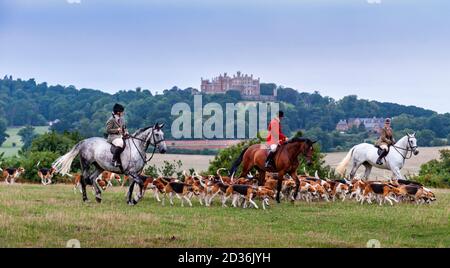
[380,151]
[273,164]
[113,147]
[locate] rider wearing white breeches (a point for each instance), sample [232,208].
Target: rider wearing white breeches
[117,130]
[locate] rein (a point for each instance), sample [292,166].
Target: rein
[407,149]
[147,143]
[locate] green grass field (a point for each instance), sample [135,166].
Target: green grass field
[8,148]
[39,216]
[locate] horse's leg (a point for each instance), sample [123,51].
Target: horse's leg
[297,182]
[397,173]
[279,184]
[367,171]
[130,193]
[140,195]
[355,167]
[98,191]
[84,175]
[262,177]
[246,167]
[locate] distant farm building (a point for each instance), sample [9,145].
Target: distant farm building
[371,124]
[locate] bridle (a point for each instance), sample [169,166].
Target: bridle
[148,142]
[408,148]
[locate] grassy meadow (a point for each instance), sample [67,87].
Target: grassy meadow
[8,148]
[48,216]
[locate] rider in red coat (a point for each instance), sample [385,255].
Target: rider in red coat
[274,138]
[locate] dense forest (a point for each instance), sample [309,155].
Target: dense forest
[25,102]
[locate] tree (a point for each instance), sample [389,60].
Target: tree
[27,134]
[267,89]
[425,137]
[226,157]
[3,134]
[46,148]
[55,142]
[362,127]
[435,173]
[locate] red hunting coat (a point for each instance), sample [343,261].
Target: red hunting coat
[275,132]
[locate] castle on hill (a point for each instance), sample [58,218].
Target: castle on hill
[245,84]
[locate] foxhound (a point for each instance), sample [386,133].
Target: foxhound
[46,175]
[11,174]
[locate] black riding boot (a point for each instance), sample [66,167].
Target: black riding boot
[382,155]
[116,156]
[269,160]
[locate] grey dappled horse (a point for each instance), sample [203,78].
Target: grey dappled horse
[96,151]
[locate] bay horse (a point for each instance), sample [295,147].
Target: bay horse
[96,152]
[285,159]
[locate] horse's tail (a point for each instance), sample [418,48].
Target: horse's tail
[63,163]
[237,162]
[340,169]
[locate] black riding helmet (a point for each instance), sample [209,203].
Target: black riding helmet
[118,108]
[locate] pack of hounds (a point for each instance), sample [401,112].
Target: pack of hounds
[245,192]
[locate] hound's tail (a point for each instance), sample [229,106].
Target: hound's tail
[218,172]
[237,162]
[63,163]
[340,169]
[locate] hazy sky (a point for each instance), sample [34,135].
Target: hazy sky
[387,50]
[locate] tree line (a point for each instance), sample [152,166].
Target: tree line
[26,102]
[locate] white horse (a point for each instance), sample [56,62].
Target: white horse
[367,154]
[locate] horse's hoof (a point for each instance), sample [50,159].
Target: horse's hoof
[132,202]
[98,199]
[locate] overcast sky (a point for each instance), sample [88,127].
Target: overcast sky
[387,50]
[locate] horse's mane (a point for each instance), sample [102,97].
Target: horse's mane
[300,139]
[140,131]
